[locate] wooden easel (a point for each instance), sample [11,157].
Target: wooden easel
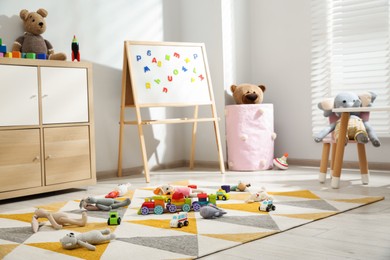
[137,91]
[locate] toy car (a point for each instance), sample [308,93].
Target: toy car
[179,219]
[267,205]
[114,219]
[222,195]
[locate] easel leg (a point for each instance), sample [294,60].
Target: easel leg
[218,140]
[120,152]
[144,155]
[194,130]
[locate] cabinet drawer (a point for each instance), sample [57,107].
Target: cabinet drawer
[19,96]
[67,154]
[20,163]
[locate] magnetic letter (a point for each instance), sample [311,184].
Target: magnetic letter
[175,72]
[157,81]
[184,69]
[146,69]
[147,85]
[165,90]
[138,57]
[195,56]
[201,77]
[192,80]
[149,52]
[154,60]
[167,57]
[159,63]
[177,55]
[194,70]
[187,60]
[170,78]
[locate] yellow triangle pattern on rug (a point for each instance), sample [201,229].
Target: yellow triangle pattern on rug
[242,238]
[151,237]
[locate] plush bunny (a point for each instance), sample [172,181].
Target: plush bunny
[106,204]
[57,220]
[87,240]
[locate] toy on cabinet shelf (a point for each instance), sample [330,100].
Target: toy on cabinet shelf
[281,162]
[75,49]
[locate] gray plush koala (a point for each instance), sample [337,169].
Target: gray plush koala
[358,130]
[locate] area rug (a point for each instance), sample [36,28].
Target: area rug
[151,237]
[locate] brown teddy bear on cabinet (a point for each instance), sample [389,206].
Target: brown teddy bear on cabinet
[32,40]
[248,93]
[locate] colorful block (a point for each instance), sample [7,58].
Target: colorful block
[1,55]
[3,48]
[8,54]
[249,136]
[1,41]
[41,56]
[30,56]
[16,54]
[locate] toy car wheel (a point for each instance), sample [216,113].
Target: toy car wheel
[172,208]
[186,207]
[119,221]
[158,210]
[259,208]
[108,222]
[186,223]
[223,197]
[179,225]
[196,206]
[268,209]
[144,210]
[273,207]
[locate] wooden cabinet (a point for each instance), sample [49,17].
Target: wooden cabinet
[46,126]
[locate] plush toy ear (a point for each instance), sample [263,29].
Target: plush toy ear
[326,105]
[23,14]
[42,12]
[262,88]
[367,98]
[233,88]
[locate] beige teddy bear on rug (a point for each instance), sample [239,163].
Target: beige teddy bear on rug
[87,240]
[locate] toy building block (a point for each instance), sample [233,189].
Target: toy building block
[16,54]
[1,41]
[3,48]
[1,55]
[41,56]
[226,188]
[31,55]
[8,55]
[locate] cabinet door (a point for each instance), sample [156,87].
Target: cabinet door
[64,95]
[19,95]
[67,154]
[20,162]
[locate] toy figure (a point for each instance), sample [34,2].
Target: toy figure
[281,162]
[87,240]
[75,49]
[240,187]
[169,190]
[211,211]
[105,204]
[57,220]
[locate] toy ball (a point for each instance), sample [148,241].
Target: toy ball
[281,162]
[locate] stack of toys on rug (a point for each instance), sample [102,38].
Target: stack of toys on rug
[178,200]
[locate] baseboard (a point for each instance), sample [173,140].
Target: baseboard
[378,166]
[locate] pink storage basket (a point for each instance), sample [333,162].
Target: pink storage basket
[250,137]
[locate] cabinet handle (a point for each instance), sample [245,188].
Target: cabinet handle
[33,96]
[36,158]
[48,157]
[45,96]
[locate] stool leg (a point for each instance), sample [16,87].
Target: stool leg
[324,162]
[363,164]
[334,145]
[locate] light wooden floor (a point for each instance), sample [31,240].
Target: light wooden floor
[363,233]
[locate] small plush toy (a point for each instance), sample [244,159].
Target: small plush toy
[87,240]
[32,41]
[105,204]
[119,191]
[241,186]
[358,130]
[248,93]
[259,196]
[169,190]
[57,220]
[211,211]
